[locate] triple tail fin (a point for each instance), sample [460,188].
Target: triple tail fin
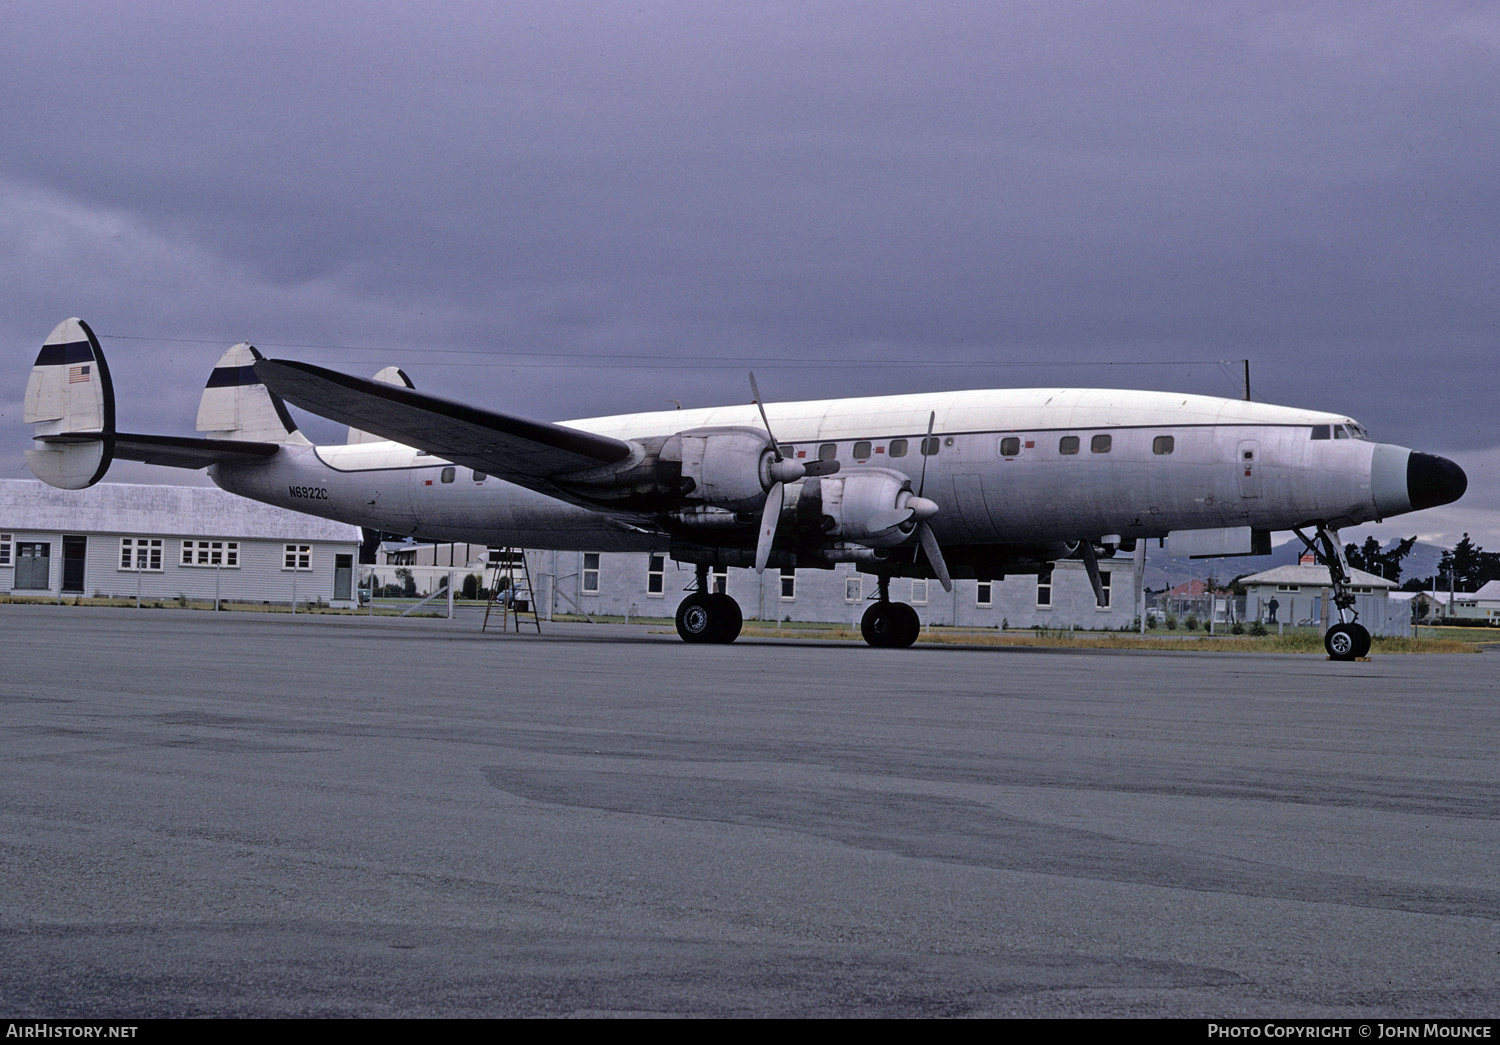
[71,400]
[237,406]
[391,375]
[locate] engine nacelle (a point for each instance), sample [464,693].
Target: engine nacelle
[872,506]
[729,467]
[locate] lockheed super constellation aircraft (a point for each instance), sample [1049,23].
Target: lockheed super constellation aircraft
[946,484]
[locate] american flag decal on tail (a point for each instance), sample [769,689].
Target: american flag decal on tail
[77,374]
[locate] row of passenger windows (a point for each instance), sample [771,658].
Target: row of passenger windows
[1010,446]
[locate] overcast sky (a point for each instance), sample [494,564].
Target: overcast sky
[569,209]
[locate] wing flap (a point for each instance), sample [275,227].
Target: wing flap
[511,448]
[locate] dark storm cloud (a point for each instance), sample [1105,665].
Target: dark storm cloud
[1311,186]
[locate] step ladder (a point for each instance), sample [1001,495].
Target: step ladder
[510,586]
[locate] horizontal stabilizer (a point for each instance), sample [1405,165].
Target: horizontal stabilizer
[512,448]
[173,451]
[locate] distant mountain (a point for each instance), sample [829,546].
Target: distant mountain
[1163,571]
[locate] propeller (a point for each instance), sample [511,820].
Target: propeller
[924,510]
[782,471]
[1091,567]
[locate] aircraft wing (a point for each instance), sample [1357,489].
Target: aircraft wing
[528,453]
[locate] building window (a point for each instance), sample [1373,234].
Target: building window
[211,553]
[854,588]
[1104,576]
[919,592]
[1044,587]
[984,593]
[5,542]
[788,585]
[1289,587]
[1067,445]
[719,580]
[898,448]
[656,575]
[296,557]
[862,450]
[140,553]
[590,573]
[1163,444]
[1010,446]
[1100,444]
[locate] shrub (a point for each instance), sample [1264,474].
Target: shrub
[1190,622]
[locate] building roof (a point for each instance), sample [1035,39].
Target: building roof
[188,511]
[1490,590]
[1314,576]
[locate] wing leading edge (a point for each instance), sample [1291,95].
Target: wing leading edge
[525,452]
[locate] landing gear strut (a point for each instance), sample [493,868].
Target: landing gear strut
[1346,640]
[708,616]
[887,624]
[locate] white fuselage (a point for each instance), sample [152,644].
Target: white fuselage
[1001,474]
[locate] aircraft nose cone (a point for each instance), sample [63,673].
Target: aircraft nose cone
[1433,480]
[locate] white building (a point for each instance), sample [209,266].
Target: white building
[169,542]
[1303,595]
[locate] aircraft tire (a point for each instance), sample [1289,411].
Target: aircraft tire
[1362,639]
[890,625]
[1342,642]
[727,619]
[695,619]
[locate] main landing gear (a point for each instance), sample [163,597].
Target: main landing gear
[708,616]
[1346,640]
[887,624]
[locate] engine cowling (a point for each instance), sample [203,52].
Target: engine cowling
[871,506]
[730,467]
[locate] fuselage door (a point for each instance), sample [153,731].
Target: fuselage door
[1248,460]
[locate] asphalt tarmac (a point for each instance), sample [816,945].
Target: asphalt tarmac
[255,815]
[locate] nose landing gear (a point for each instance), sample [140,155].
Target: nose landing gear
[1348,639]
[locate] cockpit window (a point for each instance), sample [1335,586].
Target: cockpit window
[1320,432]
[1340,432]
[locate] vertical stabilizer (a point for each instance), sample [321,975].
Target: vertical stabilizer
[391,375]
[70,400]
[235,405]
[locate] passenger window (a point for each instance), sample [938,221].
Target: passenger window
[1100,444]
[861,450]
[1010,446]
[448,474]
[787,450]
[1163,444]
[1068,444]
[930,446]
[480,477]
[1320,432]
[898,448]
[828,451]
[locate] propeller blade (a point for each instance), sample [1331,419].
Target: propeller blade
[820,468]
[922,482]
[1091,566]
[755,391]
[935,556]
[768,520]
